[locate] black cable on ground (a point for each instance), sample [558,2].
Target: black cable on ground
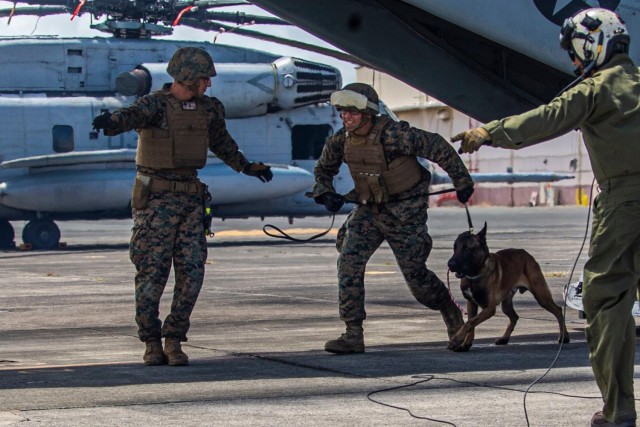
[564,307]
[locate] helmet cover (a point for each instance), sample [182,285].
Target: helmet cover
[360,96]
[191,63]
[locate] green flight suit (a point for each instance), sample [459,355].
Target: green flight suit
[606,108]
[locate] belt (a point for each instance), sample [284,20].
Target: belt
[619,182]
[189,187]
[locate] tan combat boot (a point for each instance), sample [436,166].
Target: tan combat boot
[352,341]
[174,353]
[452,317]
[153,354]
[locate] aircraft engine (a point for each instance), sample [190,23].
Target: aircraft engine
[248,89]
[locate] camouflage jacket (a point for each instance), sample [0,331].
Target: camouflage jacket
[398,139]
[149,111]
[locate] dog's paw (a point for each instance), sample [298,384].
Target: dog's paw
[564,338]
[458,345]
[454,343]
[459,348]
[502,341]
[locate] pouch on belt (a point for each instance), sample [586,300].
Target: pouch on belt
[141,190]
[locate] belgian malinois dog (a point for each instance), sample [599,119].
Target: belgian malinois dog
[489,279]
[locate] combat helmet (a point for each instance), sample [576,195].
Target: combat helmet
[191,63]
[360,96]
[591,36]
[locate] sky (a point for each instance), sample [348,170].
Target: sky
[62,25]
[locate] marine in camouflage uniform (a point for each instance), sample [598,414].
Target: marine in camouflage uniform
[391,208]
[604,105]
[176,126]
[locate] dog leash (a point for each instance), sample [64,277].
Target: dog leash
[448,190]
[284,235]
[468,218]
[448,271]
[462,310]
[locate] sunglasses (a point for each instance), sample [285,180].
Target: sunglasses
[350,110]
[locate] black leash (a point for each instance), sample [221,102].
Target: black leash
[286,236]
[448,190]
[469,218]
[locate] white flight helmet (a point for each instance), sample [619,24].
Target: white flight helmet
[593,35]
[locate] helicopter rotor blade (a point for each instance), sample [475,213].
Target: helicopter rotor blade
[33,10]
[65,3]
[241,18]
[214,3]
[215,26]
[161,15]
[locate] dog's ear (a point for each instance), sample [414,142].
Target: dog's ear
[483,233]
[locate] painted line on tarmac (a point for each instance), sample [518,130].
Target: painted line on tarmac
[41,366]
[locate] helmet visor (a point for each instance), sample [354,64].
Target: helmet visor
[349,98]
[566,34]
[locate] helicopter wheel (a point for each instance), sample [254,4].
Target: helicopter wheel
[41,234]
[6,235]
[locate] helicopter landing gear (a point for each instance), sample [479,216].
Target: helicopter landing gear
[41,234]
[6,235]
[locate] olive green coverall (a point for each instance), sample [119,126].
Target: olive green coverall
[606,108]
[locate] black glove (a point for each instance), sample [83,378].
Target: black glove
[259,170]
[103,121]
[464,195]
[332,201]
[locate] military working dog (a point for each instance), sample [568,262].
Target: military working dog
[489,279]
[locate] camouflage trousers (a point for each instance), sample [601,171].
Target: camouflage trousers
[169,230]
[404,227]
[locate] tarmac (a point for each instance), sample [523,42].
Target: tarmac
[70,356]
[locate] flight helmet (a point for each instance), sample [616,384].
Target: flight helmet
[593,35]
[360,96]
[190,63]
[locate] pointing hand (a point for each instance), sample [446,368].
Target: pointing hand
[472,140]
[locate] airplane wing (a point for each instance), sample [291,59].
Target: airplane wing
[100,181]
[488,59]
[507,177]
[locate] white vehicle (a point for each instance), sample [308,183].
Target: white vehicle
[573,298]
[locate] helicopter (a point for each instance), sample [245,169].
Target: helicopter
[56,167]
[488,59]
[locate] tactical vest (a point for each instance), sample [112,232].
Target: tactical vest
[375,180]
[183,144]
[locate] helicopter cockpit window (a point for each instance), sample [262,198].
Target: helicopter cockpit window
[63,141]
[307,141]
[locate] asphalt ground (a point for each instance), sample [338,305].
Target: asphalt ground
[70,356]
